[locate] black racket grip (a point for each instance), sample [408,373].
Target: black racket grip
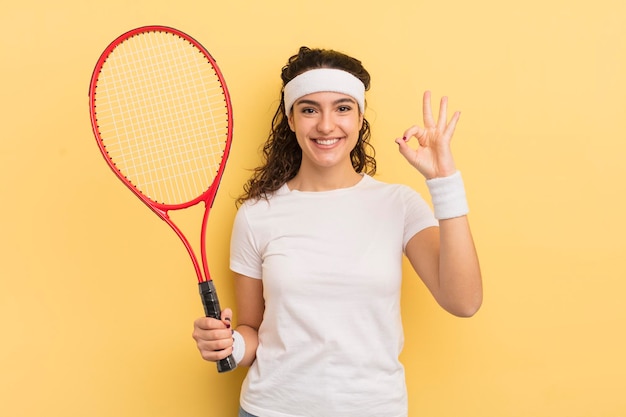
[212,309]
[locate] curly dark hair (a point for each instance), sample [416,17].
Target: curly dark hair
[281,153]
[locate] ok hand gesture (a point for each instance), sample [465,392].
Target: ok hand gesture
[433,156]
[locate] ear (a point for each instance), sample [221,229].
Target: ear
[291,123]
[361,117]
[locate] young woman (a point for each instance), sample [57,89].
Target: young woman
[317,248]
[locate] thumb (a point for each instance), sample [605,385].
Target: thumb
[405,150]
[227,316]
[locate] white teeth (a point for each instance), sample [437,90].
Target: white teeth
[326,141]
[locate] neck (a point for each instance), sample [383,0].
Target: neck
[324,180]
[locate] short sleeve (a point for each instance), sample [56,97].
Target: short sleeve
[418,215]
[245,257]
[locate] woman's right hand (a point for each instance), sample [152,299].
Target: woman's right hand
[214,338]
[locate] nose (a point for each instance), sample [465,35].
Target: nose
[325,123]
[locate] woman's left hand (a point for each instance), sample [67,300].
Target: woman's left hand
[433,156]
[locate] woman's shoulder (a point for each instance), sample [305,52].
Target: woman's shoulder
[375,183]
[263,202]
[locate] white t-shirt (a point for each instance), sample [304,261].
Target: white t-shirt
[331,265]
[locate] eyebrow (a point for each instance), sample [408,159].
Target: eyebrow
[316,103]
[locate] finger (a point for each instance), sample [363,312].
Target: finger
[227,317]
[428,113]
[452,125]
[416,131]
[405,149]
[443,114]
[208,323]
[201,335]
[214,355]
[215,339]
[201,323]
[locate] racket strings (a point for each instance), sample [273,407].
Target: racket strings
[162,116]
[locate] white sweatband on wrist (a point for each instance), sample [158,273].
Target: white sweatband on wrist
[324,80]
[448,196]
[239,346]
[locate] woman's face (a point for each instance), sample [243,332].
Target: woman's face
[327,127]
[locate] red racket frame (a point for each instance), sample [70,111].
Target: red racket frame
[160,209]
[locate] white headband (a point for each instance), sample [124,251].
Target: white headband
[324,79]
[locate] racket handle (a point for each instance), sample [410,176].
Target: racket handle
[212,309]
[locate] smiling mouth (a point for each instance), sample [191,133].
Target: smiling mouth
[326,142]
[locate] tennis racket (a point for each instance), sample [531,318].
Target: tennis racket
[162,118]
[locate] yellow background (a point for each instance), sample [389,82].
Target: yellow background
[97,295]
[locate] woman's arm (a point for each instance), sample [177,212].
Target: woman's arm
[445,259]
[445,256]
[250,308]
[214,338]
